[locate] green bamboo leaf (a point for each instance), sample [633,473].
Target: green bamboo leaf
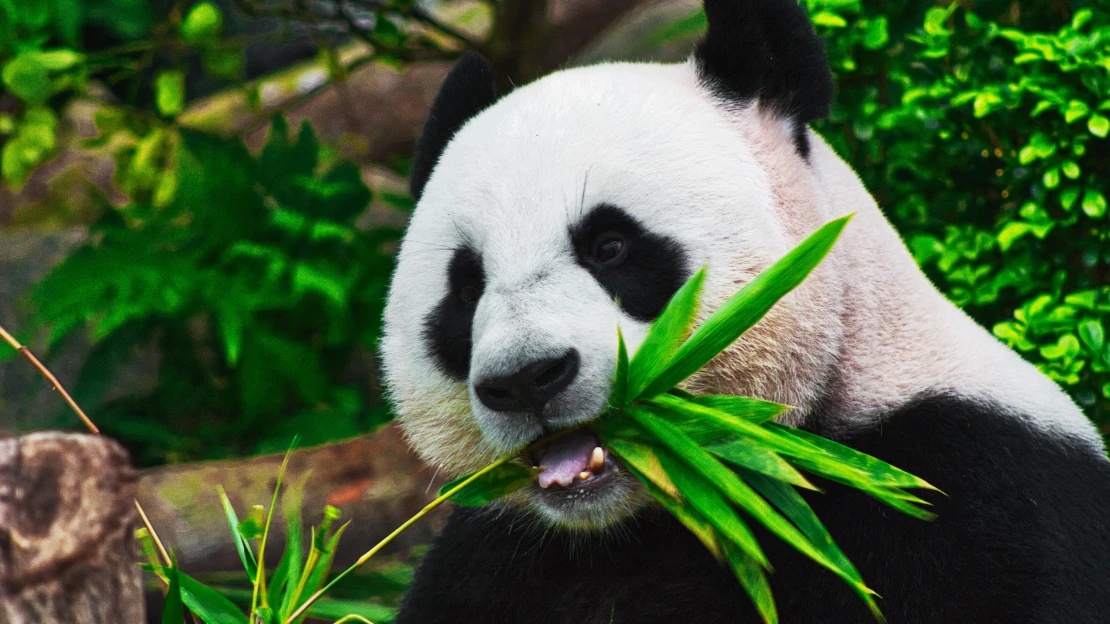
[643,459]
[173,611]
[758,459]
[756,411]
[245,554]
[754,580]
[615,426]
[326,608]
[501,481]
[700,492]
[898,500]
[678,411]
[288,573]
[877,471]
[620,380]
[332,609]
[745,308]
[260,579]
[665,335]
[206,603]
[692,520]
[702,431]
[708,432]
[709,468]
[795,507]
[318,576]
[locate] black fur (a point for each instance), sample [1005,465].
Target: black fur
[447,329]
[1023,535]
[767,49]
[466,91]
[653,268]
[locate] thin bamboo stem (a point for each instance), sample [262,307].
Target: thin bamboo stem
[389,538]
[15,344]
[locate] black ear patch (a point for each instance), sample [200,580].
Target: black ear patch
[465,92]
[766,50]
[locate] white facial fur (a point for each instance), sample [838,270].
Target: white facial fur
[864,334]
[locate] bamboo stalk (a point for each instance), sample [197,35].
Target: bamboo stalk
[10,339]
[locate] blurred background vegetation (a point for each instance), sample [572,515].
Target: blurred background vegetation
[200,199]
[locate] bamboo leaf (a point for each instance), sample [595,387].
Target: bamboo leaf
[319,574]
[707,432]
[260,593]
[756,411]
[294,551]
[754,580]
[876,470]
[691,519]
[329,609]
[642,459]
[795,507]
[732,487]
[700,492]
[758,459]
[501,481]
[665,335]
[206,603]
[677,411]
[245,554]
[173,611]
[745,308]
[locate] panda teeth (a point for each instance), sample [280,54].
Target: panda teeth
[597,461]
[585,474]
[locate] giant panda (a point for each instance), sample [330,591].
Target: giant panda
[550,216]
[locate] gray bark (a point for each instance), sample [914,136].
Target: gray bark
[66,531]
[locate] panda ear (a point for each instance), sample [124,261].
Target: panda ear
[766,50]
[465,92]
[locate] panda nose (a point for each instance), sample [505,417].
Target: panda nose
[531,387]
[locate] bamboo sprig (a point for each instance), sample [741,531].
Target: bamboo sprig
[389,538]
[15,344]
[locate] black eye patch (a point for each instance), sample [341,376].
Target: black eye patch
[640,269]
[448,327]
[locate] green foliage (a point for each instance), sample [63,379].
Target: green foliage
[273,597]
[244,273]
[983,134]
[252,280]
[707,458]
[40,60]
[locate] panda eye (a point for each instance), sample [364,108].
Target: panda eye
[609,251]
[469,294]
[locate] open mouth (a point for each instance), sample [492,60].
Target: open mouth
[572,464]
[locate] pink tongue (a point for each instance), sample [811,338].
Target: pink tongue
[566,458]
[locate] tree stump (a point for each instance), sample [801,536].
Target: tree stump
[66,531]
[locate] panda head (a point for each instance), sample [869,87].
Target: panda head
[581,202]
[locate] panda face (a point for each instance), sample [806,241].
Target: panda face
[574,206]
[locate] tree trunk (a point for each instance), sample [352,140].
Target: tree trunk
[66,531]
[375,480]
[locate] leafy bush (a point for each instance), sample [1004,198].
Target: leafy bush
[253,282]
[983,134]
[246,272]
